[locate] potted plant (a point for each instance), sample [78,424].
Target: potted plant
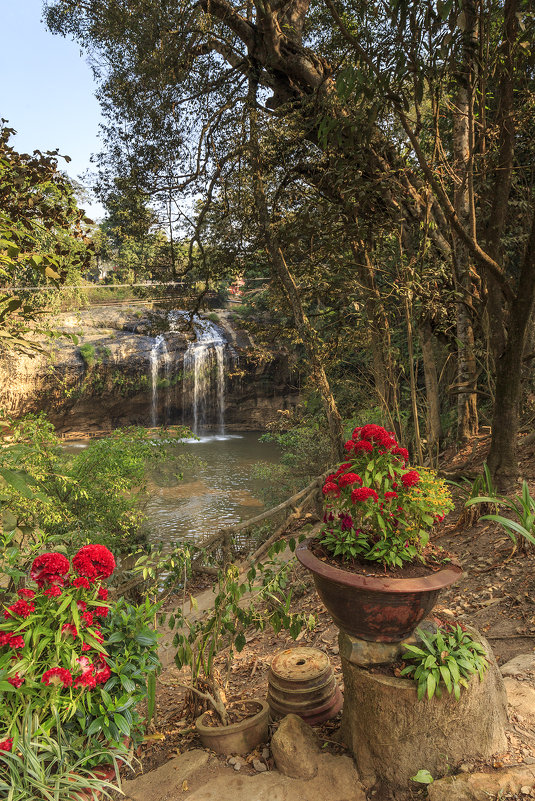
[259,599]
[373,564]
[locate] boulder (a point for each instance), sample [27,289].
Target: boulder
[521,665]
[484,786]
[295,748]
[521,698]
[392,735]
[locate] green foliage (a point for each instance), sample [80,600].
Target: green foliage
[259,600]
[88,354]
[42,240]
[446,658]
[54,767]
[423,777]
[522,507]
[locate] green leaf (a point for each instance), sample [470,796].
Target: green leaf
[431,684]
[239,642]
[423,777]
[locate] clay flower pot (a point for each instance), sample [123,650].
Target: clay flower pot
[372,607]
[237,738]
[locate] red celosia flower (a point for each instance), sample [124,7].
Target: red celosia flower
[390,495]
[87,679]
[349,478]
[103,673]
[20,607]
[70,628]
[49,568]
[24,593]
[343,468]
[57,676]
[363,493]
[101,611]
[97,635]
[81,581]
[86,647]
[82,606]
[5,637]
[53,592]
[103,593]
[403,452]
[87,617]
[94,562]
[6,745]
[356,432]
[330,487]
[410,479]
[16,680]
[16,642]
[349,445]
[363,445]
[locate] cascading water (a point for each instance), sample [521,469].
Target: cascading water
[158,353]
[205,364]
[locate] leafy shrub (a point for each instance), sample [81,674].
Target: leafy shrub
[447,658]
[88,354]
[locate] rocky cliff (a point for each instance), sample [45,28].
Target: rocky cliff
[121,365]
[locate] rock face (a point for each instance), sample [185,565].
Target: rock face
[392,735]
[170,778]
[106,378]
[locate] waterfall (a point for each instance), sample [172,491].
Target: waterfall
[203,386]
[158,353]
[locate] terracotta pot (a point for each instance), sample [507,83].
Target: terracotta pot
[238,738]
[371,607]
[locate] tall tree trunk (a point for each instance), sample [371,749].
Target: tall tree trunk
[303,326]
[503,456]
[434,425]
[463,138]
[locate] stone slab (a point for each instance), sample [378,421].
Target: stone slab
[336,780]
[521,698]
[165,783]
[483,786]
[521,665]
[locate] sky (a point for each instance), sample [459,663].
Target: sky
[47,91]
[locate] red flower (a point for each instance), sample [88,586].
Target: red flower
[16,642]
[330,487]
[390,495]
[356,432]
[20,607]
[410,479]
[6,745]
[103,673]
[5,637]
[70,628]
[82,606]
[86,647]
[16,680]
[103,593]
[101,611]
[349,445]
[49,568]
[342,468]
[26,593]
[87,617]
[52,592]
[363,445]
[94,562]
[87,679]
[363,493]
[57,676]
[403,452]
[349,478]
[81,581]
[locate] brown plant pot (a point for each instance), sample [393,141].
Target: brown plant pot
[237,738]
[372,607]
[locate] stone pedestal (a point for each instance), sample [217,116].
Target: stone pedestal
[392,735]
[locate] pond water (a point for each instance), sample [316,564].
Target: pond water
[218,488]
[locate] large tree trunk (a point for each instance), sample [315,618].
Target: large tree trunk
[503,456]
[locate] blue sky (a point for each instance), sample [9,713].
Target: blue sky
[47,89]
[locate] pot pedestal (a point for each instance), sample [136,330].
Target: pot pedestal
[392,735]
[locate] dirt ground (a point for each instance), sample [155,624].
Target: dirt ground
[496,594]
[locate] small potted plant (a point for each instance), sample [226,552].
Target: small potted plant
[256,601]
[373,564]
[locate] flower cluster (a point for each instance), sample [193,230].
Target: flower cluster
[50,637]
[377,507]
